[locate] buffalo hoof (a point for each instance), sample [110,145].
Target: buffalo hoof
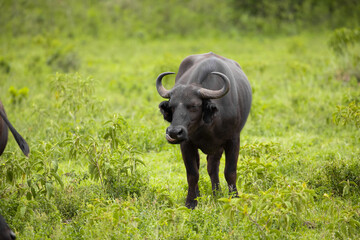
[191,204]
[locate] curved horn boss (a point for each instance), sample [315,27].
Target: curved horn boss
[214,94]
[160,88]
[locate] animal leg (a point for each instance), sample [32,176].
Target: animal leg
[213,162]
[191,159]
[231,157]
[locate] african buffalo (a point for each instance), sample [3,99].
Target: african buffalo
[4,125]
[5,231]
[207,108]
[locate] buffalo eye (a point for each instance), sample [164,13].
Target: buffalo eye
[209,110]
[194,108]
[166,110]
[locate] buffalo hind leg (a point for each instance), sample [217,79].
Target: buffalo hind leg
[191,159]
[213,162]
[231,158]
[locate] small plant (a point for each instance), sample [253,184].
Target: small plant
[17,96]
[174,215]
[46,166]
[113,128]
[256,174]
[74,93]
[349,113]
[34,176]
[111,159]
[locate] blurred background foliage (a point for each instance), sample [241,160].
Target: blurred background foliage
[153,19]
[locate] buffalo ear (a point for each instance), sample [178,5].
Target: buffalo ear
[209,110]
[166,110]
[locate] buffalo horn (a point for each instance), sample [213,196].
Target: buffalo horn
[160,88]
[213,94]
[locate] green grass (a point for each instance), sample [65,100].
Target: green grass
[299,171]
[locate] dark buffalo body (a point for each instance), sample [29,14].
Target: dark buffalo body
[3,131]
[5,231]
[207,108]
[4,125]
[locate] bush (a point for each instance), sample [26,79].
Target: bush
[345,43]
[74,197]
[274,212]
[348,113]
[340,177]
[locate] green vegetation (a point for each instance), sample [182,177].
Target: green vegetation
[77,79]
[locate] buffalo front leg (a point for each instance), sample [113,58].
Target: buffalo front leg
[191,159]
[231,158]
[213,162]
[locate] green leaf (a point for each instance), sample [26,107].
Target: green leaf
[28,196]
[225,200]
[49,189]
[9,175]
[58,179]
[33,192]
[22,211]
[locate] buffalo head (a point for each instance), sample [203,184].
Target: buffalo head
[189,107]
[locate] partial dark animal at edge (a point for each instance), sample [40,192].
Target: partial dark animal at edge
[4,125]
[207,108]
[5,231]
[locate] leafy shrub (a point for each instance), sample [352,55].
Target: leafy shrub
[106,219]
[345,44]
[46,164]
[255,175]
[37,174]
[341,220]
[261,150]
[343,39]
[74,95]
[350,113]
[111,159]
[338,177]
[31,216]
[74,197]
[274,212]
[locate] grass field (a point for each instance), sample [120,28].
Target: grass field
[100,166]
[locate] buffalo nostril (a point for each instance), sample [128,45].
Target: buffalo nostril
[180,132]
